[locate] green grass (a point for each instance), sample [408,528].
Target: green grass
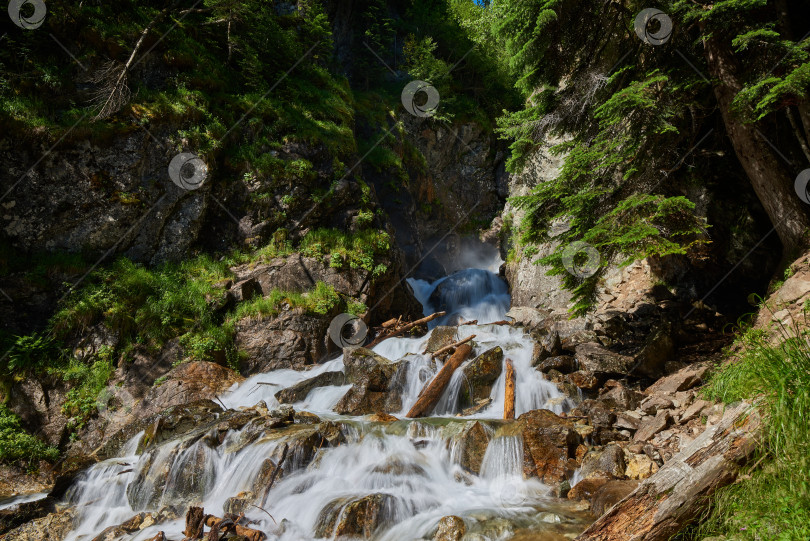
[774,503]
[17,445]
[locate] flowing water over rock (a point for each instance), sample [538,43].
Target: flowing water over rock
[352,476]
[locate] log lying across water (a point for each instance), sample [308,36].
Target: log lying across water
[433,390]
[674,496]
[404,328]
[509,396]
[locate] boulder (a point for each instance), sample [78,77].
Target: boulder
[245,290]
[300,390]
[616,393]
[376,383]
[187,382]
[658,349]
[603,362]
[471,446]
[584,379]
[682,380]
[525,316]
[442,336]
[640,466]
[549,445]
[451,528]
[360,517]
[610,494]
[292,340]
[608,461]
[652,404]
[587,487]
[562,363]
[52,527]
[480,374]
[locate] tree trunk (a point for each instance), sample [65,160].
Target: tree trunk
[509,399]
[677,494]
[195,517]
[773,186]
[434,389]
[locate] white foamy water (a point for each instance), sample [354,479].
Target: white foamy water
[412,468]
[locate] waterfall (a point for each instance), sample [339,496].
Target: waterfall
[414,470]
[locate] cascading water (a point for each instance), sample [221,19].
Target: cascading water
[411,469]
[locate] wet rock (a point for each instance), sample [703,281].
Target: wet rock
[238,504]
[549,445]
[451,528]
[266,472]
[292,340]
[382,418]
[652,425]
[376,383]
[562,363]
[300,390]
[442,336]
[21,513]
[610,494]
[603,362]
[360,517]
[608,461]
[472,446]
[188,382]
[53,527]
[586,488]
[480,374]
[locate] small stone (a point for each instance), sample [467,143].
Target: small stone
[651,427]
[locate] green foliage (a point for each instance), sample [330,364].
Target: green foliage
[774,503]
[88,378]
[362,250]
[17,445]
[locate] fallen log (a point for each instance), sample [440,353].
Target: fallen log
[390,323]
[473,322]
[159,537]
[227,525]
[434,389]
[404,329]
[501,322]
[663,504]
[445,349]
[509,397]
[195,517]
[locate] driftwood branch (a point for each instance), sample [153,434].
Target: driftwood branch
[112,77]
[509,395]
[405,328]
[445,349]
[434,389]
